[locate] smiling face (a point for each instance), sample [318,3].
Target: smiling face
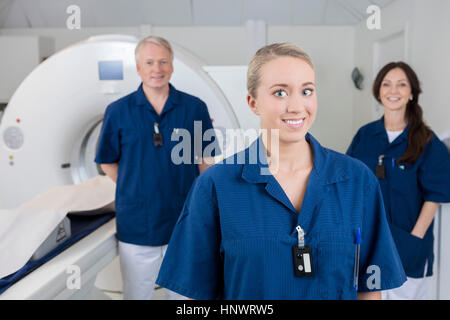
[395,90]
[286,98]
[154,66]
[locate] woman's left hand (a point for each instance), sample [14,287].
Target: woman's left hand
[425,219]
[418,234]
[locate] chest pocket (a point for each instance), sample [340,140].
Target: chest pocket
[405,196]
[403,179]
[129,136]
[336,261]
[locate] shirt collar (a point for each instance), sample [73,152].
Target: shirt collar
[259,172]
[172,100]
[379,127]
[381,130]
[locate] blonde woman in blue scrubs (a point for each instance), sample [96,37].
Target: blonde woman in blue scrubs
[312,226]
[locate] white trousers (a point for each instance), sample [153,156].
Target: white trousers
[412,289]
[140,266]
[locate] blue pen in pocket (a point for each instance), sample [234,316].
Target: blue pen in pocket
[356,267]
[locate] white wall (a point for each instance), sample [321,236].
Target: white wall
[331,49]
[430,52]
[65,37]
[18,57]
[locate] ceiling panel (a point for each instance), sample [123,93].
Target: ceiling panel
[359,6]
[169,12]
[273,12]
[217,12]
[117,13]
[337,13]
[45,14]
[5,7]
[306,12]
[381,3]
[15,16]
[112,13]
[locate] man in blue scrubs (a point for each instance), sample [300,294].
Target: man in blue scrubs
[135,151]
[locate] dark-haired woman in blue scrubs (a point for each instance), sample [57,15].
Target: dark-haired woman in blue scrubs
[286,218]
[413,168]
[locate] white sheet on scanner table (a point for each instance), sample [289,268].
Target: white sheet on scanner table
[23,229]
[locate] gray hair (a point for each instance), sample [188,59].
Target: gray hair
[156,40]
[268,53]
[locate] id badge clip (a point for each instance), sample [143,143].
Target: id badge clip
[302,256]
[380,170]
[157,136]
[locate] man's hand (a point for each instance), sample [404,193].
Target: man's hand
[205,164]
[111,170]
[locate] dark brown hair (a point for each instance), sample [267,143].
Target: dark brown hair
[419,134]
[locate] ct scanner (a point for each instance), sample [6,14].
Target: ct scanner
[51,125]
[49,133]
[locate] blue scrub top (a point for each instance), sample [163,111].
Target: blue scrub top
[406,188]
[151,189]
[235,235]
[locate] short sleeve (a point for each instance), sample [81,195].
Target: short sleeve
[192,265]
[210,144]
[434,172]
[108,149]
[380,267]
[355,141]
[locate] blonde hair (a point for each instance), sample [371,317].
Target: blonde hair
[156,40]
[268,53]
